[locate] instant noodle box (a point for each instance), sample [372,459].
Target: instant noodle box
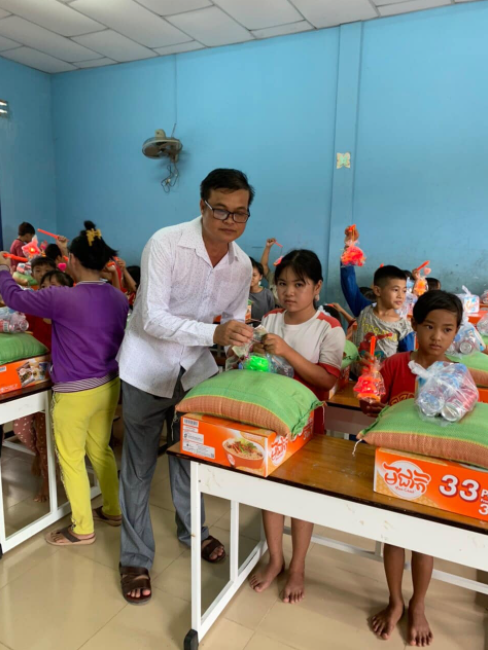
[241,446]
[28,372]
[441,484]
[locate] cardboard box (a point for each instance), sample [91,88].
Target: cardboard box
[214,439]
[20,374]
[441,484]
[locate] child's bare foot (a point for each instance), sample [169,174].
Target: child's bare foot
[419,632]
[386,621]
[261,580]
[43,495]
[295,588]
[36,466]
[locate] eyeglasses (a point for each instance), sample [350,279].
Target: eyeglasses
[223,215]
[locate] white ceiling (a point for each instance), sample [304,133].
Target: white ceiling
[62,35]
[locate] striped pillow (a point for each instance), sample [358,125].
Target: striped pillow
[264,400]
[400,427]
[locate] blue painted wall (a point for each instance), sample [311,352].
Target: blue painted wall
[421,188]
[27,169]
[267,108]
[405,95]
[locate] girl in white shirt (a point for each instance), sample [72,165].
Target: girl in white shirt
[313,343]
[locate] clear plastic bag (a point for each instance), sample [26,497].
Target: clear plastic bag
[243,351]
[446,392]
[467,341]
[12,321]
[370,386]
[268,363]
[482,326]
[471,303]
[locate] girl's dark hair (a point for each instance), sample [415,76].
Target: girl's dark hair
[368,293]
[135,273]
[257,265]
[305,263]
[90,248]
[53,252]
[63,279]
[226,179]
[332,311]
[437,299]
[26,228]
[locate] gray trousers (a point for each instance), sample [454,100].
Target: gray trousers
[144,416]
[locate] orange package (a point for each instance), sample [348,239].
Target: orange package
[441,484]
[241,446]
[20,374]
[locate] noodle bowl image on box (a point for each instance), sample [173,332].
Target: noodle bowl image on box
[241,446]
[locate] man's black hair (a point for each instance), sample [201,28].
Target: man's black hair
[226,179]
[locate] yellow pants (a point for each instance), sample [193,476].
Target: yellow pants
[82,425]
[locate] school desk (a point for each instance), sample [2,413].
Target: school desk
[343,414]
[325,484]
[18,404]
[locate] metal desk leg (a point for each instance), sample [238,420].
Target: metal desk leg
[2,516]
[234,541]
[191,639]
[51,456]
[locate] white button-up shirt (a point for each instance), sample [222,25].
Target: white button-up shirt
[180,296]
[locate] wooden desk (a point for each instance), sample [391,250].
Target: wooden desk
[343,414]
[325,484]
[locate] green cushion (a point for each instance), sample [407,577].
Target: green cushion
[400,427]
[15,347]
[478,364]
[351,354]
[264,400]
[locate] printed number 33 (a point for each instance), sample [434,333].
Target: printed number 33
[469,489]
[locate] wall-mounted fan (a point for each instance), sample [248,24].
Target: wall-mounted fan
[162,146]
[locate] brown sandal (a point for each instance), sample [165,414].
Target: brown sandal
[133,577]
[210,548]
[67,538]
[99,515]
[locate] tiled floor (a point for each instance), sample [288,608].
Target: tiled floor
[65,599]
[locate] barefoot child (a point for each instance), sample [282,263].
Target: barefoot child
[436,320]
[313,343]
[88,323]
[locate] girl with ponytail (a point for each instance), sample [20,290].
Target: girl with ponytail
[88,323]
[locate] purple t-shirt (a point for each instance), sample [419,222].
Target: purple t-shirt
[88,325]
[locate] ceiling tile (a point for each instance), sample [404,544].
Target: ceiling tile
[176,49]
[41,39]
[211,27]
[7,44]
[37,60]
[52,15]
[328,13]
[168,7]
[132,20]
[4,14]
[115,46]
[379,3]
[413,5]
[282,30]
[256,14]
[95,64]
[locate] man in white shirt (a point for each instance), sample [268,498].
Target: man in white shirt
[190,274]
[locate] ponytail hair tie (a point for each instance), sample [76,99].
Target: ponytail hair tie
[93,234]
